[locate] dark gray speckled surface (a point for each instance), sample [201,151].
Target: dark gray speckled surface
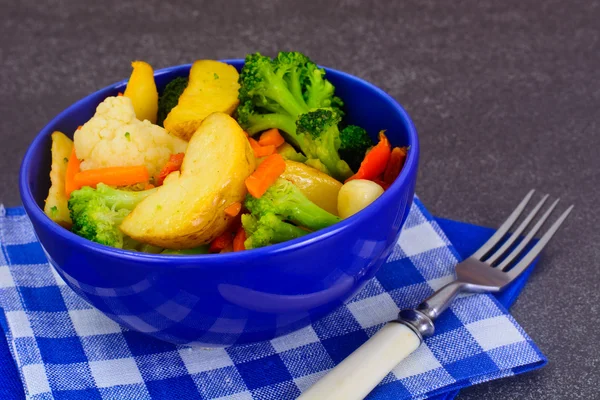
[505,95]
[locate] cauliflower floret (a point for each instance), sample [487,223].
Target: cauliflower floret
[114,137]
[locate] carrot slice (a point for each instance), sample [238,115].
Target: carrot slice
[174,164]
[261,151]
[395,164]
[221,242]
[115,176]
[233,209]
[72,170]
[375,161]
[239,239]
[79,127]
[265,175]
[271,137]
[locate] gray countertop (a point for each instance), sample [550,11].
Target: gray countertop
[505,95]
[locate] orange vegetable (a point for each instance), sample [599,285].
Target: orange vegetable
[265,175]
[395,164]
[375,161]
[172,165]
[119,94]
[114,176]
[72,170]
[79,127]
[261,151]
[239,239]
[381,183]
[271,137]
[149,186]
[221,242]
[233,209]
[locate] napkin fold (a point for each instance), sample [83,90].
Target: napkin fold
[66,349]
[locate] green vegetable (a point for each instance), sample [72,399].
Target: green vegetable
[273,93]
[134,245]
[355,142]
[321,141]
[195,250]
[97,213]
[286,201]
[169,98]
[268,229]
[128,136]
[53,211]
[288,152]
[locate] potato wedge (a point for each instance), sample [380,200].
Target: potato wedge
[141,89]
[213,87]
[319,187]
[56,203]
[189,209]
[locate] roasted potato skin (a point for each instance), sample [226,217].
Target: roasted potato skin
[189,209]
[56,203]
[213,87]
[319,187]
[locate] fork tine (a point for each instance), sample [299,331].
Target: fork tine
[517,233]
[535,251]
[503,229]
[519,249]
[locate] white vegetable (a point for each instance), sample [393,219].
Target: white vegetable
[356,195]
[114,137]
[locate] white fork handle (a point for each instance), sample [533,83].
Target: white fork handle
[361,371]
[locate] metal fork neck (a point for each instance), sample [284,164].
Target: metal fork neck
[421,319]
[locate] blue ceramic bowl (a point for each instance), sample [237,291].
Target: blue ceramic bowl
[224,299]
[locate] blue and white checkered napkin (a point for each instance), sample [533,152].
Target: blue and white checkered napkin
[65,349]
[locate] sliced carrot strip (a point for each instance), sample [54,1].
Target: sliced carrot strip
[395,164]
[72,170]
[221,242]
[115,176]
[239,239]
[261,151]
[271,137]
[233,209]
[174,164]
[265,175]
[375,160]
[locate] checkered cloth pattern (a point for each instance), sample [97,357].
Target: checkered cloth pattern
[65,349]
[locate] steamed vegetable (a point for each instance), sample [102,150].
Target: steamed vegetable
[141,89]
[320,141]
[286,201]
[97,213]
[271,137]
[114,137]
[188,210]
[265,175]
[317,186]
[55,205]
[169,98]
[288,152]
[354,145]
[356,195]
[375,160]
[273,93]
[115,176]
[73,167]
[213,87]
[395,164]
[268,229]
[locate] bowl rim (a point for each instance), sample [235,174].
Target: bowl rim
[34,211]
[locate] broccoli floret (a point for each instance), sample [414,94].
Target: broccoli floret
[288,152]
[321,138]
[287,202]
[169,98]
[273,93]
[268,229]
[97,213]
[355,142]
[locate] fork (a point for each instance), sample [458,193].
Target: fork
[490,269]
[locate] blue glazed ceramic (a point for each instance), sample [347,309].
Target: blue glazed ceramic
[224,299]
